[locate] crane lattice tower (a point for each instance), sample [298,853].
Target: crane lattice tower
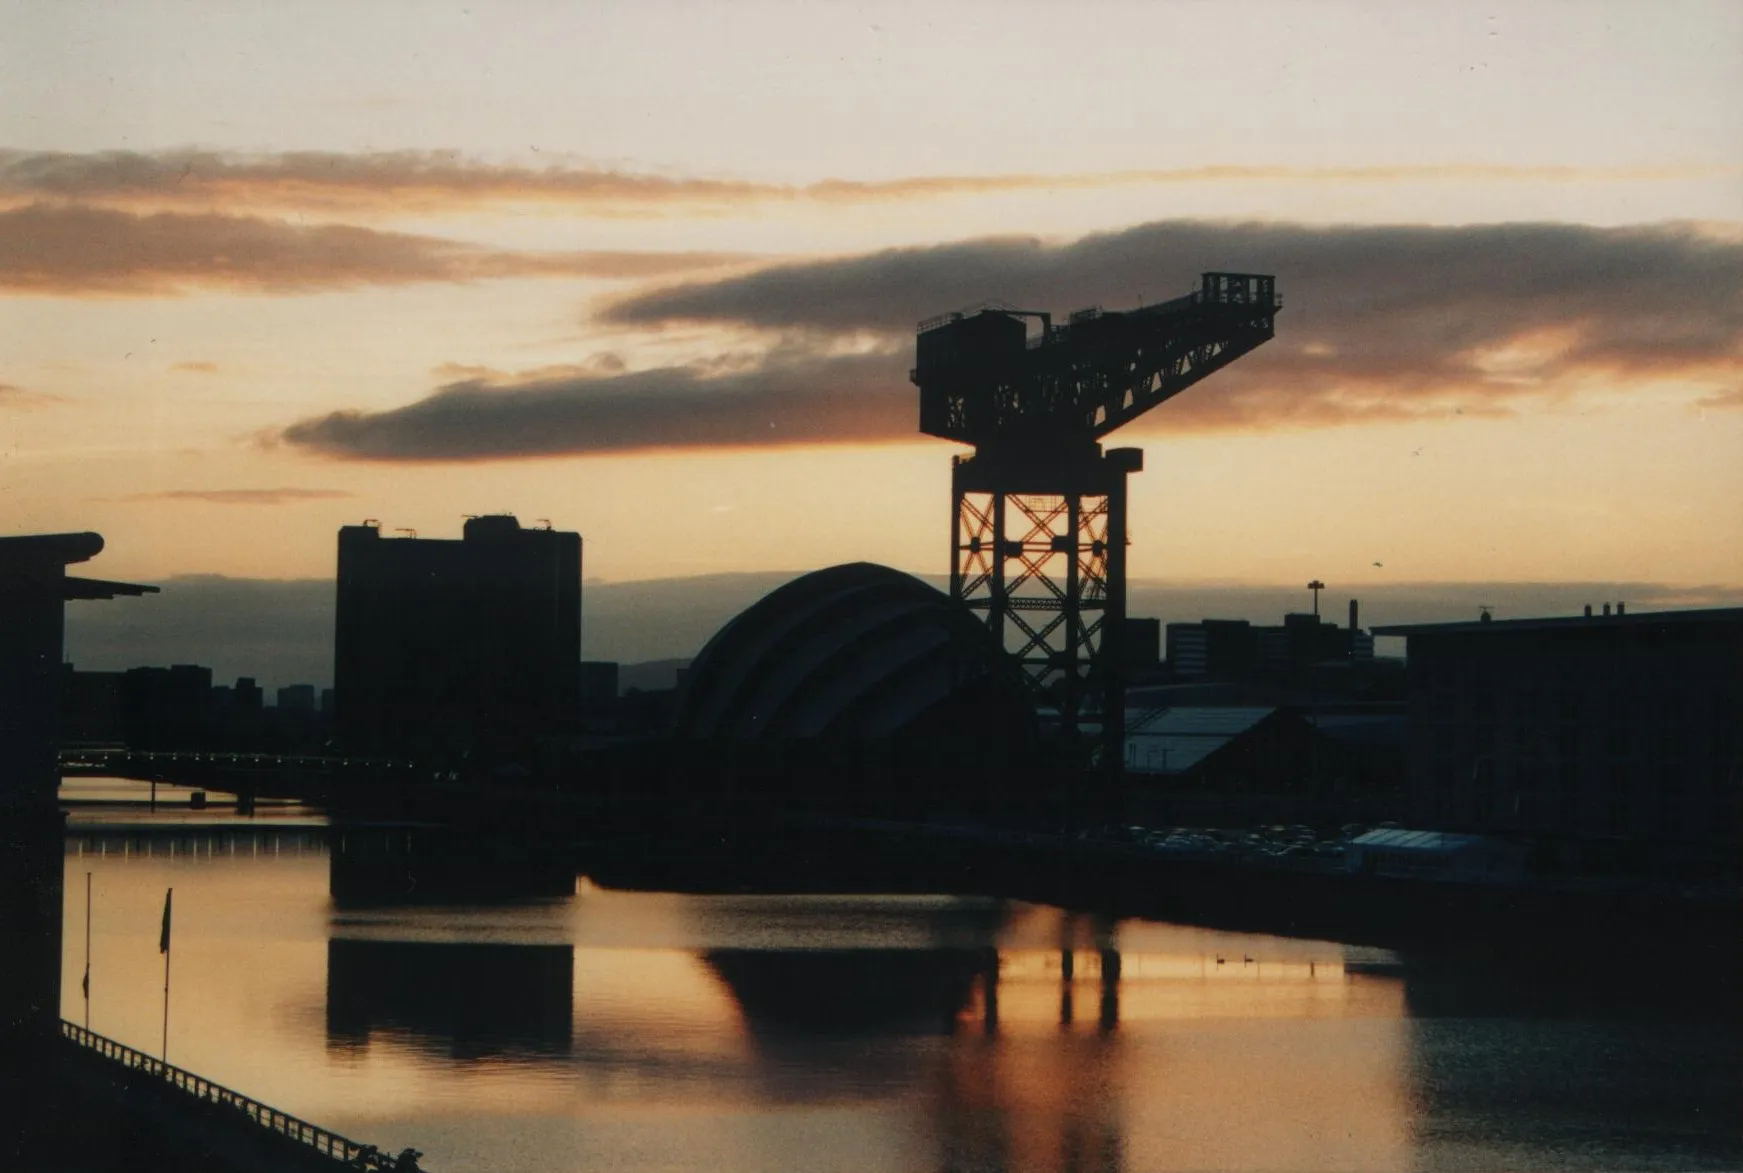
[1038,530]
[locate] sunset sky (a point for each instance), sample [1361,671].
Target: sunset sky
[651,271]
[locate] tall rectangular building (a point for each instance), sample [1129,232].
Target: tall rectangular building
[456,649]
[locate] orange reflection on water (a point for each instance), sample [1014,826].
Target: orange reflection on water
[668,1039]
[1032,990]
[1179,1061]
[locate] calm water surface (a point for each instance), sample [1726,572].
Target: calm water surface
[716,1034]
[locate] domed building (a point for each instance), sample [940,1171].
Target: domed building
[858,682]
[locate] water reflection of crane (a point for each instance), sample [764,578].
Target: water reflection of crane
[988,1105]
[851,992]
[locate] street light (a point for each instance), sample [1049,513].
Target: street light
[1316,586]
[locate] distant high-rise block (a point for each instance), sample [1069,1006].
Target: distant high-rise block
[298,697]
[598,683]
[91,708]
[445,649]
[248,696]
[167,708]
[1233,649]
[1212,649]
[1142,645]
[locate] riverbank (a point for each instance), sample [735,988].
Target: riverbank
[1300,898]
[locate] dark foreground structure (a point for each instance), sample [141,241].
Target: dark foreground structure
[76,1101]
[34,590]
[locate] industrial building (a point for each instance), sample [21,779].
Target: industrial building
[449,650]
[1190,742]
[1243,764]
[1612,728]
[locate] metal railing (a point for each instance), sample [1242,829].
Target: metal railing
[342,1150]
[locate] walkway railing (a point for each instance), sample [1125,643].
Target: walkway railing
[345,1152]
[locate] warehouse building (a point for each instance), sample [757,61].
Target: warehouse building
[1618,728]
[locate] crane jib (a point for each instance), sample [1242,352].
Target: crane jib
[983,379]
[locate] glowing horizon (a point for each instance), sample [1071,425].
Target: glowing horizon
[240,315]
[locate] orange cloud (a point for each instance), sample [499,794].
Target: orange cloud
[74,250]
[12,395]
[1725,399]
[422,182]
[242,496]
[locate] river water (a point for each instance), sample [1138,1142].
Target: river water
[648,1032]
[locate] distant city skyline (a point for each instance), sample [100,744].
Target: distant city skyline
[652,272]
[281,631]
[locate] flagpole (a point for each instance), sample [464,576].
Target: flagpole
[163,1053]
[87,950]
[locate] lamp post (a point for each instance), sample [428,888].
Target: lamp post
[1312,696]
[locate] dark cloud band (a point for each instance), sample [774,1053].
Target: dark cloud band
[288,496]
[70,250]
[1380,324]
[785,399]
[1373,315]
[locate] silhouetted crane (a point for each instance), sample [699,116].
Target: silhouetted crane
[1039,520]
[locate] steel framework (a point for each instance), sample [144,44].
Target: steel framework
[1038,543]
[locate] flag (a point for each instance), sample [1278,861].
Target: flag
[86,984]
[163,939]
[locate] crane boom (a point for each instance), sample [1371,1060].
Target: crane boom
[983,381]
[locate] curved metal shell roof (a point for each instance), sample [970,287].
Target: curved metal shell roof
[853,651]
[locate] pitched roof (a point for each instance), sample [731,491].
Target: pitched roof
[1173,741]
[1202,720]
